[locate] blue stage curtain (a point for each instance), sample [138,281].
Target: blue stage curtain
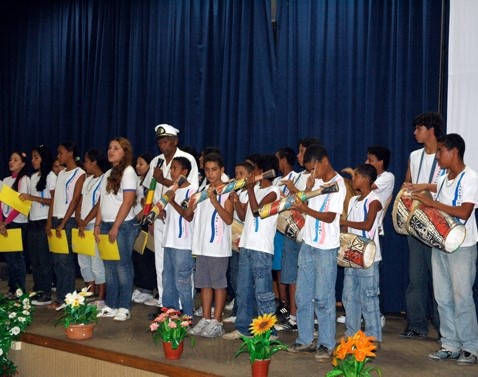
[355,74]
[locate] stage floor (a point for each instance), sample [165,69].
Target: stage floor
[397,357]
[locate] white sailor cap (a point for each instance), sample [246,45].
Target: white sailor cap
[163,130]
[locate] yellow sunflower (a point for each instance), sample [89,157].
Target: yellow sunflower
[262,324]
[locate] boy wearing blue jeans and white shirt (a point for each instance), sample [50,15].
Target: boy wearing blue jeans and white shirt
[317,272]
[177,243]
[254,283]
[361,286]
[454,273]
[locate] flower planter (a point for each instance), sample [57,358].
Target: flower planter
[79,332]
[171,354]
[260,368]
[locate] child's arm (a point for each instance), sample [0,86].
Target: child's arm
[463,211]
[366,225]
[72,205]
[184,212]
[326,217]
[224,212]
[269,198]
[239,207]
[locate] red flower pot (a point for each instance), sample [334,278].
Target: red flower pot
[171,354]
[260,368]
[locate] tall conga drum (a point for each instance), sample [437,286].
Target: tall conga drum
[436,228]
[290,223]
[402,207]
[356,251]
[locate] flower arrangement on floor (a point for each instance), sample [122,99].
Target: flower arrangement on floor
[351,356]
[15,316]
[260,346]
[171,326]
[76,310]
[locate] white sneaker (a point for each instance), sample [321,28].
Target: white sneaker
[230,319]
[382,320]
[230,306]
[122,314]
[152,302]
[200,326]
[341,319]
[143,297]
[135,294]
[107,312]
[213,329]
[233,335]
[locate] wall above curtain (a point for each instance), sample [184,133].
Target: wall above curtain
[353,73]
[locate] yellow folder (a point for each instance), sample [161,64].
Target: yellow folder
[108,250]
[140,242]
[11,198]
[84,245]
[58,245]
[12,242]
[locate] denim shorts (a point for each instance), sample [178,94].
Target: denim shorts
[290,257]
[211,272]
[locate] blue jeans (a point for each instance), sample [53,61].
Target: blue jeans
[233,272]
[254,287]
[64,264]
[420,288]
[16,262]
[40,256]
[119,273]
[360,297]
[453,278]
[177,279]
[290,257]
[316,293]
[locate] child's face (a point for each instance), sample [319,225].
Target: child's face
[358,181]
[300,155]
[241,172]
[444,156]
[318,168]
[422,134]
[115,153]
[89,165]
[213,172]
[36,160]
[142,167]
[15,164]
[56,167]
[373,160]
[64,155]
[177,170]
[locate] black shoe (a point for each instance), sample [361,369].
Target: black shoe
[412,334]
[282,312]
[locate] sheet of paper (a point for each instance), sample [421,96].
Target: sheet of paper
[108,250]
[13,241]
[58,245]
[84,245]
[12,198]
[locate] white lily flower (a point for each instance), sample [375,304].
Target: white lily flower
[15,330]
[19,292]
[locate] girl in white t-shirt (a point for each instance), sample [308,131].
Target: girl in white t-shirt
[116,219]
[91,267]
[61,214]
[42,186]
[12,219]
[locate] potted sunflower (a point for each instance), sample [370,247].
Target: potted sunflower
[351,356]
[79,317]
[260,347]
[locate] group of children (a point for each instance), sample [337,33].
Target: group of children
[193,242]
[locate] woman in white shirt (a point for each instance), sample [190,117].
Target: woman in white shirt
[116,218]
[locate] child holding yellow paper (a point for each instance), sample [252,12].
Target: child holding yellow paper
[60,217]
[92,267]
[11,219]
[42,186]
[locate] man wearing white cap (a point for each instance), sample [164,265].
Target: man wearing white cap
[167,140]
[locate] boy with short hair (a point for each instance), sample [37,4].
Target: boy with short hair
[317,271]
[254,288]
[212,246]
[361,286]
[177,243]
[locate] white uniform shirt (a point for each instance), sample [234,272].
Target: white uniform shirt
[110,203]
[258,234]
[64,191]
[91,195]
[178,232]
[320,234]
[462,189]
[358,211]
[40,211]
[421,166]
[211,235]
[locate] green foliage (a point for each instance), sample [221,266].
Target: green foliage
[76,311]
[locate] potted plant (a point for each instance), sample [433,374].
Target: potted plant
[171,327]
[260,346]
[351,356]
[15,316]
[79,317]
